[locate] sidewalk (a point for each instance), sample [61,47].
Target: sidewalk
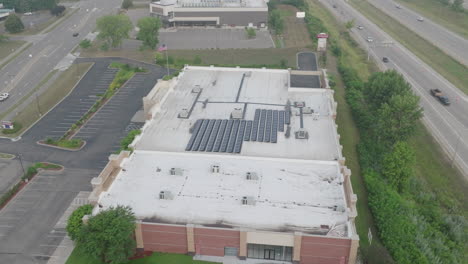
[66,247]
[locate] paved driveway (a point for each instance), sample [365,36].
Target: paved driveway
[306,61]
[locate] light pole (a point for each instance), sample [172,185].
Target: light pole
[20,156]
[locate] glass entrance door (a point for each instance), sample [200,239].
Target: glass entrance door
[269,254]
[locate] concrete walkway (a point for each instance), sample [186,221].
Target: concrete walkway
[66,247]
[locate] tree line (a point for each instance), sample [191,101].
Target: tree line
[22,6]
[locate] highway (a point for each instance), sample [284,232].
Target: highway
[448,41]
[448,124]
[23,73]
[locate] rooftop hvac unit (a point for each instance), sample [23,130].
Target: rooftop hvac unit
[184,113]
[196,89]
[215,169]
[248,200]
[176,171]
[302,134]
[299,104]
[251,176]
[237,113]
[307,111]
[165,195]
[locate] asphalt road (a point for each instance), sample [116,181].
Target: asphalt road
[448,124]
[448,41]
[24,72]
[27,234]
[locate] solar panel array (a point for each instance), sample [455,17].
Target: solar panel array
[223,135]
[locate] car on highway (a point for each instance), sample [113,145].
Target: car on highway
[420,19]
[385,59]
[334,6]
[28,13]
[76,34]
[398,6]
[360,27]
[4,96]
[370,39]
[439,95]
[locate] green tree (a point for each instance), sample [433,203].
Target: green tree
[350,24]
[397,119]
[75,221]
[85,43]
[197,60]
[276,21]
[382,86]
[57,10]
[250,32]
[126,4]
[149,27]
[113,29]
[457,5]
[109,235]
[397,165]
[3,38]
[13,24]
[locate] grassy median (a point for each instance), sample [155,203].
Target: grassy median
[452,70]
[441,14]
[9,46]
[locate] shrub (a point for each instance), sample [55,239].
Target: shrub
[85,43]
[75,221]
[13,24]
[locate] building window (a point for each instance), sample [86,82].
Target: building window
[270,252]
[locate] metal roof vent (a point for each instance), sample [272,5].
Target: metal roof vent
[307,111]
[176,171]
[302,134]
[184,113]
[248,200]
[196,89]
[237,113]
[215,169]
[299,104]
[251,176]
[165,195]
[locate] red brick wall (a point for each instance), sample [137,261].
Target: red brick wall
[323,250]
[164,238]
[212,241]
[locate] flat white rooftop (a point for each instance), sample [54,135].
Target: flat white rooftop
[261,89]
[213,3]
[287,194]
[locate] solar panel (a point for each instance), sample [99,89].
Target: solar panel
[219,138]
[268,126]
[227,134]
[253,136]
[214,133]
[233,137]
[261,126]
[207,134]
[248,130]
[196,128]
[200,134]
[287,117]
[240,137]
[274,127]
[281,121]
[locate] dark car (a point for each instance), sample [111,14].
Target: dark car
[385,59]
[76,34]
[334,6]
[439,95]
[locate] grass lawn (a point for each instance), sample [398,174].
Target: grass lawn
[6,156]
[49,98]
[8,47]
[435,170]
[157,258]
[452,70]
[295,31]
[441,14]
[210,56]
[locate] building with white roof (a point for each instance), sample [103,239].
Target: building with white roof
[227,13]
[236,162]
